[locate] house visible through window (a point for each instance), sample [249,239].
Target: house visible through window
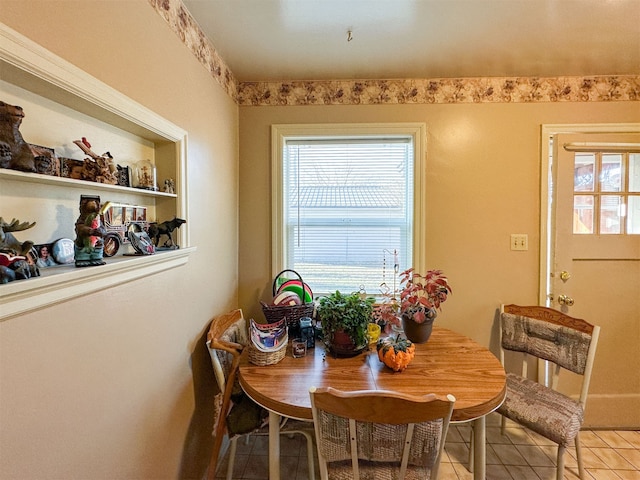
[346,207]
[606,193]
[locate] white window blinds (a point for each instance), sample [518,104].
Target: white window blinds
[348,210]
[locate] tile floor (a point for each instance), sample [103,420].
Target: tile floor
[518,455]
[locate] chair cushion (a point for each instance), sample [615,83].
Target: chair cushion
[376,471]
[541,409]
[245,416]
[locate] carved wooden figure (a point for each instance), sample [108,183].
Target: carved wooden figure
[14,151]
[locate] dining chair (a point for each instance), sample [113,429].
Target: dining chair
[568,343]
[236,414]
[377,434]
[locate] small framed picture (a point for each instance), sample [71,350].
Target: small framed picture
[44,255]
[124,176]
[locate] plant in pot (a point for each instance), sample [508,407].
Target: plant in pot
[345,321]
[420,300]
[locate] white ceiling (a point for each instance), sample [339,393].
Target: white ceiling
[272,40]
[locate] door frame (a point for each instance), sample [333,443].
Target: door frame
[547,211]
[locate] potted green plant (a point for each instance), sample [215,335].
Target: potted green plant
[345,320]
[420,300]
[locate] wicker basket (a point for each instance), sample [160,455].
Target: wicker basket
[293,313]
[260,358]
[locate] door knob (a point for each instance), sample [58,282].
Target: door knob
[564,275]
[565,300]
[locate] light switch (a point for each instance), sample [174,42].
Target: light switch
[519,241]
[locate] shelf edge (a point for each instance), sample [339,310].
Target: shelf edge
[23,296]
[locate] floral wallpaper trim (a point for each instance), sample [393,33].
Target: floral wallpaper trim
[422,91]
[393,92]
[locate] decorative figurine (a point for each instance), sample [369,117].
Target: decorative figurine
[169,186]
[13,253]
[97,168]
[89,245]
[140,240]
[156,230]
[14,151]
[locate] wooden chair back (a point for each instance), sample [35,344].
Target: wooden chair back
[379,434]
[226,339]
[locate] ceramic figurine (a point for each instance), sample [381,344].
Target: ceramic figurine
[89,244]
[169,186]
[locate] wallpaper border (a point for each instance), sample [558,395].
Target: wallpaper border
[600,88]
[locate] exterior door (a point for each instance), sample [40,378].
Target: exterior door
[595,264]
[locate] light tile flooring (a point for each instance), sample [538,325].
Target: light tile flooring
[518,455]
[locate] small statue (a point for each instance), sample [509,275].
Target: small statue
[156,230]
[89,245]
[14,151]
[13,253]
[169,186]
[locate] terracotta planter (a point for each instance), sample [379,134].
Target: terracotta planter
[343,345]
[418,332]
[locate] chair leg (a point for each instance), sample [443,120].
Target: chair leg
[310,448]
[579,457]
[471,449]
[232,457]
[560,463]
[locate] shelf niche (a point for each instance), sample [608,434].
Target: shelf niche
[37,76]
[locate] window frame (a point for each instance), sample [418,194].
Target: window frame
[280,133]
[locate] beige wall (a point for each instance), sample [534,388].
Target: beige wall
[108,386]
[483,183]
[118,384]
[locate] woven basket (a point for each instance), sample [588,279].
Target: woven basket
[293,313]
[260,358]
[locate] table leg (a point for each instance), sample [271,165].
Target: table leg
[274,446]
[479,449]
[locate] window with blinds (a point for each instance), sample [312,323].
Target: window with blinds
[347,210]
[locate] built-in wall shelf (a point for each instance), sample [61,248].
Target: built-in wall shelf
[84,185]
[62,103]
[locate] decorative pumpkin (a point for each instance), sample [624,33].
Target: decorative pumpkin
[396,353]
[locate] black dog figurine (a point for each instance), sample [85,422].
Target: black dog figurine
[156,230]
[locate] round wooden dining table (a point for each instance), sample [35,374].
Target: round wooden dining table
[449,363]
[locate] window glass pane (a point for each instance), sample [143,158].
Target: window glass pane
[349,207]
[610,175]
[583,214]
[634,172]
[610,214]
[633,214]
[583,172]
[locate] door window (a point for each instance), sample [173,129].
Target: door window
[606,193]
